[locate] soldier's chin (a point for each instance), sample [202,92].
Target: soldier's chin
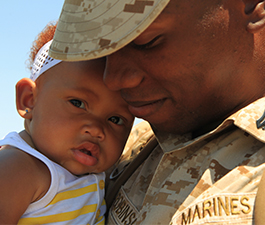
[165,129]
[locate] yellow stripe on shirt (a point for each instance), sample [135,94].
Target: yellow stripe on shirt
[59,217]
[101,219]
[73,193]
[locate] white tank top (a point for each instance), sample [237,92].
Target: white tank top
[70,199]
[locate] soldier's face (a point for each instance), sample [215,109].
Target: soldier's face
[182,71]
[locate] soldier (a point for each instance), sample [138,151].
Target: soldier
[195,71]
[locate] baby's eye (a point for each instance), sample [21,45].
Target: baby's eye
[116,120]
[77,103]
[148,45]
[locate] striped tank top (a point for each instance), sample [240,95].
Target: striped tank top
[70,199]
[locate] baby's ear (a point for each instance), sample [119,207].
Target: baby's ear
[25,97]
[255,10]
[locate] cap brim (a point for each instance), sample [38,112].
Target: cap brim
[92,29]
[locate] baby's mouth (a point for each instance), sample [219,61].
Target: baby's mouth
[87,152]
[89,148]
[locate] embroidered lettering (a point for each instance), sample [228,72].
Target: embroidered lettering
[206,206]
[196,213]
[234,206]
[217,206]
[223,206]
[243,202]
[186,220]
[123,211]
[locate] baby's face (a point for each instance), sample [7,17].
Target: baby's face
[76,121]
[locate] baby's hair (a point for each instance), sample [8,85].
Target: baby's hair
[43,37]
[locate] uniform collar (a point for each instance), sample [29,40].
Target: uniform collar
[246,119]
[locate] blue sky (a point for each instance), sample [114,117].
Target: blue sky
[21,21]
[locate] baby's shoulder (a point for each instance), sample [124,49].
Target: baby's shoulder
[10,154]
[21,167]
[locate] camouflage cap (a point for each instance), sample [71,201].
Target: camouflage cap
[90,29]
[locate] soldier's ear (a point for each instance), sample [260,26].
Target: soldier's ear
[24,97]
[255,12]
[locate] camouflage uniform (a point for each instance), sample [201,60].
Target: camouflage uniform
[209,179]
[212,178]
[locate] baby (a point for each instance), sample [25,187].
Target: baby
[75,128]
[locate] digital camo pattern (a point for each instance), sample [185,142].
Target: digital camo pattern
[212,179]
[139,136]
[95,28]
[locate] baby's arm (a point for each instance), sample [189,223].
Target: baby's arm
[23,180]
